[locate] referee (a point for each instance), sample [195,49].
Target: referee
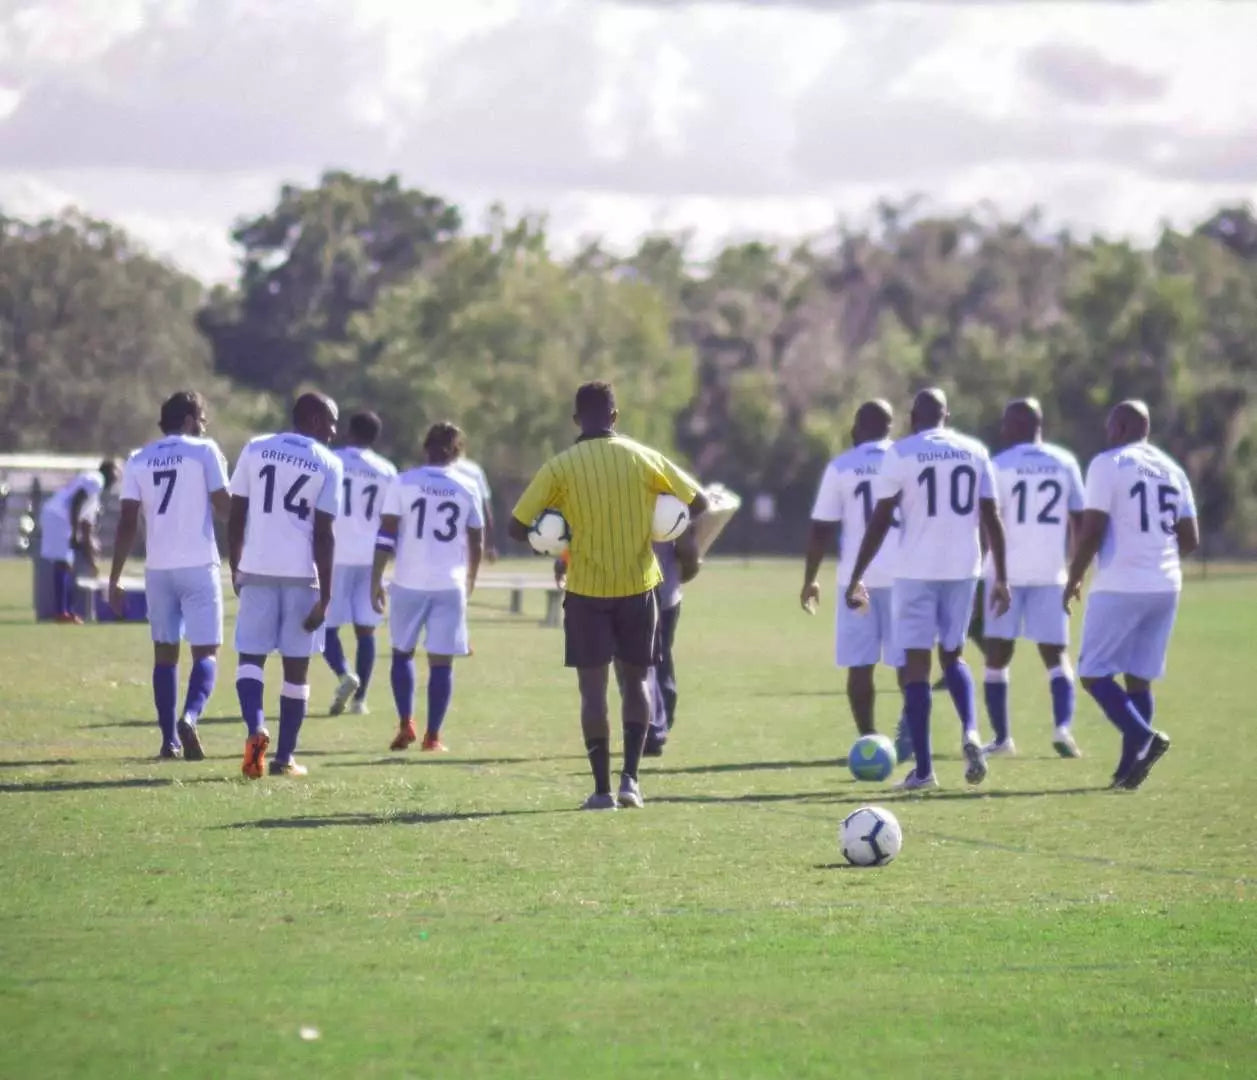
[605,487]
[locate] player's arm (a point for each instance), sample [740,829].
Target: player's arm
[540,494]
[475,553]
[1186,527]
[874,536]
[385,548]
[324,543]
[82,538]
[822,536]
[237,517]
[1073,534]
[123,541]
[486,505]
[992,530]
[1090,536]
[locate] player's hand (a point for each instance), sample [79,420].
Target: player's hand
[857,596]
[1001,598]
[810,597]
[117,598]
[689,569]
[235,582]
[315,619]
[1073,591]
[490,553]
[379,599]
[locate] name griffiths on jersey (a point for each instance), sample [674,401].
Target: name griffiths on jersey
[288,459]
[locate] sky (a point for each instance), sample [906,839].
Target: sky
[729,119]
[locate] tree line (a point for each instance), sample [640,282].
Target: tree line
[749,364]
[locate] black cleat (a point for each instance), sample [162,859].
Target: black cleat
[1142,766]
[191,739]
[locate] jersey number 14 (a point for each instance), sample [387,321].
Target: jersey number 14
[298,507]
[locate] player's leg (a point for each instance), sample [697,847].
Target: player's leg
[257,635]
[635,626]
[296,646]
[339,613]
[1110,624]
[165,621]
[955,610]
[657,732]
[915,631]
[446,638]
[407,614]
[365,620]
[858,647]
[63,591]
[860,696]
[882,611]
[1145,663]
[201,598]
[1061,686]
[668,620]
[589,647]
[997,653]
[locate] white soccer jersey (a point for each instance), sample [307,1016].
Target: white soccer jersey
[172,479]
[1038,485]
[286,478]
[940,475]
[1144,492]
[366,479]
[435,509]
[846,495]
[474,477]
[59,503]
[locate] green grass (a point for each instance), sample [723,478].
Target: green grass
[456,918]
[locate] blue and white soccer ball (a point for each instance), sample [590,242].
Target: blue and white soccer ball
[870,836]
[671,519]
[549,534]
[872,758]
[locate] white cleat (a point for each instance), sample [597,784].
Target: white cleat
[912,782]
[358,707]
[1007,748]
[630,795]
[975,761]
[345,689]
[1063,743]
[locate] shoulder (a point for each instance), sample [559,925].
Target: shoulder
[968,443]
[257,443]
[1061,454]
[1006,459]
[383,465]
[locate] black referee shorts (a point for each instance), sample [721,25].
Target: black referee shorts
[599,629]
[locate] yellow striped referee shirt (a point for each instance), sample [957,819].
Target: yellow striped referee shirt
[605,487]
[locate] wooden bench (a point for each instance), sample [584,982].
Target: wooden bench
[518,584]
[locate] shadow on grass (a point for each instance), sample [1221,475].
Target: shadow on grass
[85,785]
[866,794]
[332,821]
[35,764]
[753,766]
[429,759]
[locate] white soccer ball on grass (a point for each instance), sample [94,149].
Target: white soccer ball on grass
[870,836]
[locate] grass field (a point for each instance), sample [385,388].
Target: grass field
[455,917]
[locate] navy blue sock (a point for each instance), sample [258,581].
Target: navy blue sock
[292,713]
[61,587]
[916,706]
[334,652]
[1143,702]
[165,697]
[403,678]
[440,690]
[200,686]
[1061,683]
[1120,710]
[960,686]
[364,664]
[995,689]
[249,690]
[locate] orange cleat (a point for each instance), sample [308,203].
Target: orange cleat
[254,764]
[406,734]
[67,619]
[433,744]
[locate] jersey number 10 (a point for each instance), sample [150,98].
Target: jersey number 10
[964,486]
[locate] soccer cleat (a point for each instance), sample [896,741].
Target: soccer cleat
[599,800]
[1063,743]
[903,741]
[287,768]
[653,747]
[630,796]
[68,619]
[169,752]
[358,707]
[433,745]
[255,748]
[191,739]
[1007,748]
[1148,757]
[345,689]
[912,782]
[975,761]
[406,734]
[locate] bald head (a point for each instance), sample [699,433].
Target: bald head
[929,409]
[315,415]
[872,421]
[1023,421]
[1129,422]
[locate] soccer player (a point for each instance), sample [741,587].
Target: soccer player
[67,524]
[474,476]
[285,497]
[1140,518]
[944,485]
[605,487]
[1039,488]
[177,483]
[845,498]
[432,522]
[366,480]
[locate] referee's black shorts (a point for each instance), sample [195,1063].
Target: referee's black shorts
[599,629]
